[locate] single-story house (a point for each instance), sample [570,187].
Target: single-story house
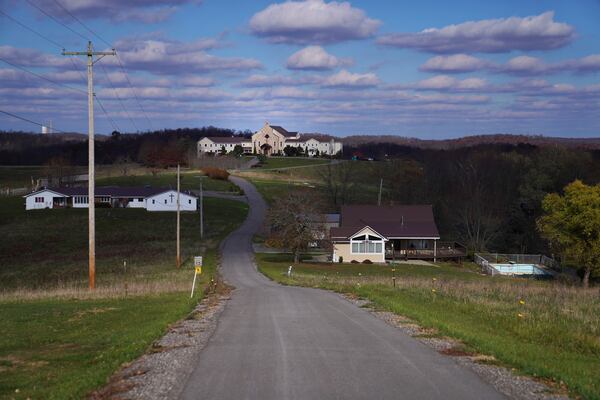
[151,199]
[386,233]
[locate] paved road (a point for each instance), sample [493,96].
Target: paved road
[278,342]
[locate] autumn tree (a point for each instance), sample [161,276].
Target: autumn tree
[571,224]
[294,221]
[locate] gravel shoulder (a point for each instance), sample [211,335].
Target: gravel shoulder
[503,379]
[162,372]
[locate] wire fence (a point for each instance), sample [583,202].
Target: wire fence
[486,261]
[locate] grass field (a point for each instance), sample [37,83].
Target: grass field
[286,162]
[188,181]
[59,340]
[554,334]
[20,176]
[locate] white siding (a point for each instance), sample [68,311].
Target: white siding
[41,200]
[167,201]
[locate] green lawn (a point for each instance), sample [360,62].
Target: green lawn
[188,181]
[59,341]
[63,349]
[42,248]
[20,176]
[271,189]
[285,162]
[554,335]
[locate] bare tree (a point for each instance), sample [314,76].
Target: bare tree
[294,221]
[338,181]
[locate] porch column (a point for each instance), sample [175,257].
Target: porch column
[434,249]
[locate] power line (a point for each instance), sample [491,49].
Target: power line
[119,98]
[56,20]
[81,23]
[112,122]
[31,30]
[28,120]
[43,77]
[133,90]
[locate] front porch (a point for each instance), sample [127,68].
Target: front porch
[423,249]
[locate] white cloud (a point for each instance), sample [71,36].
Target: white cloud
[260,80]
[146,11]
[456,63]
[315,58]
[445,82]
[312,21]
[162,56]
[345,79]
[538,32]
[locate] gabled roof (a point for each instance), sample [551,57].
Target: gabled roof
[282,131]
[405,221]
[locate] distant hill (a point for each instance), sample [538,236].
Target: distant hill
[468,141]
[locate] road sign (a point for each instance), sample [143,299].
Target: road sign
[198,261]
[198,270]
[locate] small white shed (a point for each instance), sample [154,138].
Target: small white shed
[167,201]
[45,198]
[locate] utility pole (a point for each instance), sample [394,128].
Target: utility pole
[201,211]
[178,261]
[380,187]
[90,53]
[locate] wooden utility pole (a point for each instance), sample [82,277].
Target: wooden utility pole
[178,260]
[380,187]
[90,53]
[201,211]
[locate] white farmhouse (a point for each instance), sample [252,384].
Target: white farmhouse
[151,199]
[270,140]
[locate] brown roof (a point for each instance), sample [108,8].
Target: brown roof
[283,131]
[404,221]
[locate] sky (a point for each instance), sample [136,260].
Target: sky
[426,69]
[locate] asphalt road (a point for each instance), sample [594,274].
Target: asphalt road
[280,342]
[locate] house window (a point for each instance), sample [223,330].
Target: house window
[367,244]
[190,201]
[165,201]
[140,199]
[39,199]
[153,201]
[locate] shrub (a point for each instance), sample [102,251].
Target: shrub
[341,260]
[354,262]
[216,173]
[367,262]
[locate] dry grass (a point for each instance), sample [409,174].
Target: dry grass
[112,290]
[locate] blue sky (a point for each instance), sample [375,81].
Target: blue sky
[427,69]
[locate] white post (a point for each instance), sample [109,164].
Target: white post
[201,211]
[434,249]
[178,260]
[193,284]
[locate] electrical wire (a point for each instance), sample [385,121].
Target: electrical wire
[28,120]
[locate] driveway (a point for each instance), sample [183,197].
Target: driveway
[281,342]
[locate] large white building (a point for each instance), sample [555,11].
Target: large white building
[270,140]
[151,199]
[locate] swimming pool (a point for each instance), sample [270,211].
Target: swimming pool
[519,269]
